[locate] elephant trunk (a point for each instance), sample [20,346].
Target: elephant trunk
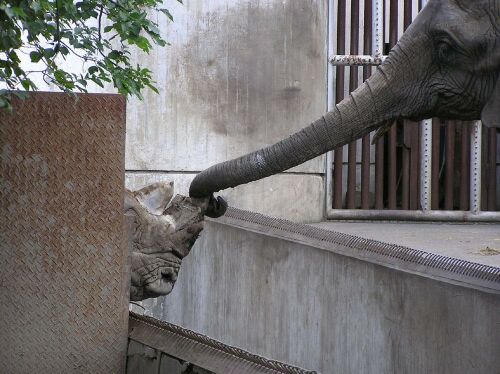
[373,104]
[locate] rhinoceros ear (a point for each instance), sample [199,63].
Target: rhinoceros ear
[155,197]
[490,116]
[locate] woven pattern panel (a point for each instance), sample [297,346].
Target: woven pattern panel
[63,255]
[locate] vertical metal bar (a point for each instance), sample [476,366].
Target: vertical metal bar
[339,95]
[378,48]
[405,153]
[407,14]
[392,167]
[414,165]
[465,166]
[379,173]
[378,35]
[405,169]
[492,168]
[365,172]
[484,168]
[436,132]
[365,143]
[353,84]
[425,157]
[330,102]
[426,164]
[475,167]
[329,180]
[449,165]
[351,175]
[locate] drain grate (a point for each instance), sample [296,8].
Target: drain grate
[201,349]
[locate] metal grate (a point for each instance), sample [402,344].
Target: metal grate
[63,255]
[429,171]
[202,350]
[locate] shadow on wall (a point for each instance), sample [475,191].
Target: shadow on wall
[241,70]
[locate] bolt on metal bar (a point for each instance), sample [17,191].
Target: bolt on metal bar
[357,60]
[475,167]
[426,165]
[378,35]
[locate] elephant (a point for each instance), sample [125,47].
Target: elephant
[447,65]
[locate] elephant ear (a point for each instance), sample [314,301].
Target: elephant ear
[490,116]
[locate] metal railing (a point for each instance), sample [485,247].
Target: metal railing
[373,55]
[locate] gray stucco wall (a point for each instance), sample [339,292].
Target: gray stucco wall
[320,310]
[239,75]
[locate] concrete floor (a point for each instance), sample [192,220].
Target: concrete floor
[463,241]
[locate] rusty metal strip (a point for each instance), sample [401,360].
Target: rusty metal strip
[456,271]
[201,350]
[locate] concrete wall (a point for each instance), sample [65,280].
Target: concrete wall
[238,76]
[323,311]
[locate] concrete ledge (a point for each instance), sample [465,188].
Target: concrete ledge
[431,265]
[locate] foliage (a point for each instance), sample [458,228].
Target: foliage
[100,33]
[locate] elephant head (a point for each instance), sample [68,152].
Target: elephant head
[445,65]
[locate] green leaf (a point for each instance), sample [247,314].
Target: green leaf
[48,53]
[35,56]
[60,76]
[93,70]
[26,83]
[167,13]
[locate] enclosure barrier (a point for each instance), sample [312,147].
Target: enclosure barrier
[420,169]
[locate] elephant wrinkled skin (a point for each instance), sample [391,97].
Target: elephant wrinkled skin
[447,64]
[162,231]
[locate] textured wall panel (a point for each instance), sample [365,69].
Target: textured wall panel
[238,75]
[63,255]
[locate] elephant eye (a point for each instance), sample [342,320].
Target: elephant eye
[444,51]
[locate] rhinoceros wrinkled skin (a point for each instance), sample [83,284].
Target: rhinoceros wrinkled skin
[163,230]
